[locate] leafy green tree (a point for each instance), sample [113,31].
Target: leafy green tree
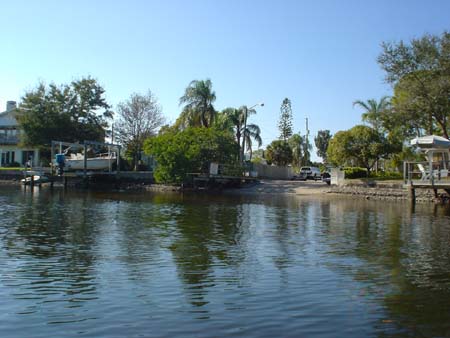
[138,119]
[279,153]
[189,151]
[198,102]
[420,74]
[322,140]
[374,111]
[361,145]
[71,112]
[285,122]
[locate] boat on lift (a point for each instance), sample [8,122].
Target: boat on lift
[99,162]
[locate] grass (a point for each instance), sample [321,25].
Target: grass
[9,169]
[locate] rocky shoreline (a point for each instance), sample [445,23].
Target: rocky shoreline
[388,191]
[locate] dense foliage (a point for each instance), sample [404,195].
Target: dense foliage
[198,100]
[71,112]
[420,74]
[361,145]
[321,140]
[189,151]
[279,153]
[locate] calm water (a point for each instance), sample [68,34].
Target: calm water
[124,265]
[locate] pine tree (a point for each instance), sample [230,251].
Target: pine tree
[285,122]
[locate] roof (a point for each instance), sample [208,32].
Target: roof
[7,119]
[431,141]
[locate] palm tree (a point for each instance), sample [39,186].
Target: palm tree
[373,114]
[236,121]
[252,132]
[297,144]
[188,118]
[374,111]
[198,102]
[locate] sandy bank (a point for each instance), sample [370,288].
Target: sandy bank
[390,191]
[284,187]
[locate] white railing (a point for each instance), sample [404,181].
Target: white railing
[421,171]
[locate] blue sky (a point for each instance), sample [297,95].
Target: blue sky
[320,54]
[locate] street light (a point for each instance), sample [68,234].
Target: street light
[261,104]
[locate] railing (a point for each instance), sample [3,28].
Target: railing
[9,139]
[421,171]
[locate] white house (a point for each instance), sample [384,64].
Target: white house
[10,149]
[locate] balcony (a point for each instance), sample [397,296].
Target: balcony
[9,140]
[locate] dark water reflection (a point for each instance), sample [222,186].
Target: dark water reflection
[126,265]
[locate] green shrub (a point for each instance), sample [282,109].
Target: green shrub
[355,172]
[13,165]
[190,151]
[386,175]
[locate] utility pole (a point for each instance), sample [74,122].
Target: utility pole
[307,140]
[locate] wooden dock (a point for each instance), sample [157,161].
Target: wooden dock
[426,175]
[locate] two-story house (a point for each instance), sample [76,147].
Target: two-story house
[10,149]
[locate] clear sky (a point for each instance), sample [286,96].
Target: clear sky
[320,54]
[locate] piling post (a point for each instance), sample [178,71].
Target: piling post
[118,159]
[85,159]
[412,193]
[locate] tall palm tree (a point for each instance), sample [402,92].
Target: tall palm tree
[297,144]
[252,132]
[374,111]
[237,121]
[198,102]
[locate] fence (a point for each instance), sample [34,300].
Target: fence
[273,172]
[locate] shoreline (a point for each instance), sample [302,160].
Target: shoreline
[387,191]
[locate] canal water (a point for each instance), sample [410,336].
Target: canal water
[87,264]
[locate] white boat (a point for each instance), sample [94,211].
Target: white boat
[37,179]
[100,162]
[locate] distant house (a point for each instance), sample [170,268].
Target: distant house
[10,151]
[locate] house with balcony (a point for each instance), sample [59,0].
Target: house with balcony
[10,149]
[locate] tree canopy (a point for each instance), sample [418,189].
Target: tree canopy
[360,145]
[70,112]
[138,118]
[420,74]
[322,140]
[198,100]
[374,111]
[297,144]
[279,153]
[189,151]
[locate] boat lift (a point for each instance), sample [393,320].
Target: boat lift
[432,173]
[57,148]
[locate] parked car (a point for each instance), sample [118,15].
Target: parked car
[326,177]
[309,173]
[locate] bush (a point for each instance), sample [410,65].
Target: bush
[190,151]
[387,175]
[13,165]
[355,172]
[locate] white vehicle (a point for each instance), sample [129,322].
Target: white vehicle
[310,173]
